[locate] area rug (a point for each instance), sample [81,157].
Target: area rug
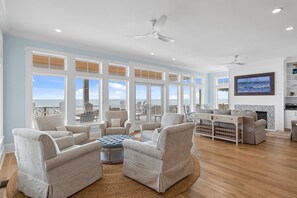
[279,134]
[114,184]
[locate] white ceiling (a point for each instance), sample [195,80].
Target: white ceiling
[206,31]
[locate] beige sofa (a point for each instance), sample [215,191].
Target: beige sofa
[253,130]
[161,163]
[46,171]
[50,124]
[168,119]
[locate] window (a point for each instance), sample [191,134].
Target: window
[222,92]
[198,81]
[187,79]
[48,95]
[117,95]
[197,98]
[173,98]
[48,61]
[154,75]
[187,95]
[117,70]
[87,66]
[173,77]
[87,100]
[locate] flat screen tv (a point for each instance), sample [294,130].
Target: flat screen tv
[254,84]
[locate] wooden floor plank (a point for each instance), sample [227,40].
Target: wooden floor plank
[265,170]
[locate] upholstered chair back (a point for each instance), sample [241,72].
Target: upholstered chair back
[32,149]
[170,119]
[48,123]
[123,115]
[176,143]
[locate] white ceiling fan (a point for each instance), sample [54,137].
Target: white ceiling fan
[237,61]
[157,25]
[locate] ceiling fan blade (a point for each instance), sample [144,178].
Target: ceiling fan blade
[242,58]
[164,38]
[160,23]
[142,36]
[225,63]
[240,63]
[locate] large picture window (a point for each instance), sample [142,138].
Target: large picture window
[173,98]
[48,95]
[222,92]
[117,95]
[87,100]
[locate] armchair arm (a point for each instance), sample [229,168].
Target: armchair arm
[79,129]
[103,126]
[143,148]
[72,154]
[260,123]
[150,126]
[127,126]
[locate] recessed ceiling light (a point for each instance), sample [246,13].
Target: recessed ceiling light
[290,28]
[152,53]
[277,10]
[58,30]
[173,59]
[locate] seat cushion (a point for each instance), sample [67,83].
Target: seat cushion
[115,130]
[148,134]
[65,142]
[80,137]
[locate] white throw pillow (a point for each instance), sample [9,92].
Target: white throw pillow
[61,128]
[115,122]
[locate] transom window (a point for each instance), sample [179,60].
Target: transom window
[173,77]
[48,61]
[117,70]
[187,79]
[155,75]
[82,65]
[198,81]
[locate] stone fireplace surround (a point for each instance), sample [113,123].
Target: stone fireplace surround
[270,109]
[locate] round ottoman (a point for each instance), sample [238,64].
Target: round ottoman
[112,148]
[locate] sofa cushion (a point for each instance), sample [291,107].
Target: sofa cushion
[58,134]
[80,137]
[61,128]
[237,113]
[222,112]
[170,119]
[123,115]
[116,122]
[148,134]
[115,130]
[65,142]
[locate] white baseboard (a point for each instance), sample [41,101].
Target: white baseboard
[9,148]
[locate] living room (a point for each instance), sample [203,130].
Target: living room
[143,62]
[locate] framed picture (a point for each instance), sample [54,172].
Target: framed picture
[254,84]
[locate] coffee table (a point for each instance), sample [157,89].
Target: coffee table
[112,148]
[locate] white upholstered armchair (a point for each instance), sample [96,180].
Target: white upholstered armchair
[54,125]
[45,171]
[162,163]
[111,126]
[168,119]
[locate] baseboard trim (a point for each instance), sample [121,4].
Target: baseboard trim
[9,148]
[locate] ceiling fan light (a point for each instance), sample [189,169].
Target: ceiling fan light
[152,53]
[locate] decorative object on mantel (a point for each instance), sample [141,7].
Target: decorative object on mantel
[292,93]
[254,84]
[115,184]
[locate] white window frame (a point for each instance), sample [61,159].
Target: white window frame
[218,86]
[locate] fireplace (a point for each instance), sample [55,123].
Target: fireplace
[262,115]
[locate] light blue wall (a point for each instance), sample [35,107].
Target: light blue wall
[14,77]
[211,85]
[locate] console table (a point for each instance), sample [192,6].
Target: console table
[207,125]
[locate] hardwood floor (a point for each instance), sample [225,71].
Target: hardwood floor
[265,170]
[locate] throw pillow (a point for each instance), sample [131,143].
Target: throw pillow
[61,128]
[115,122]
